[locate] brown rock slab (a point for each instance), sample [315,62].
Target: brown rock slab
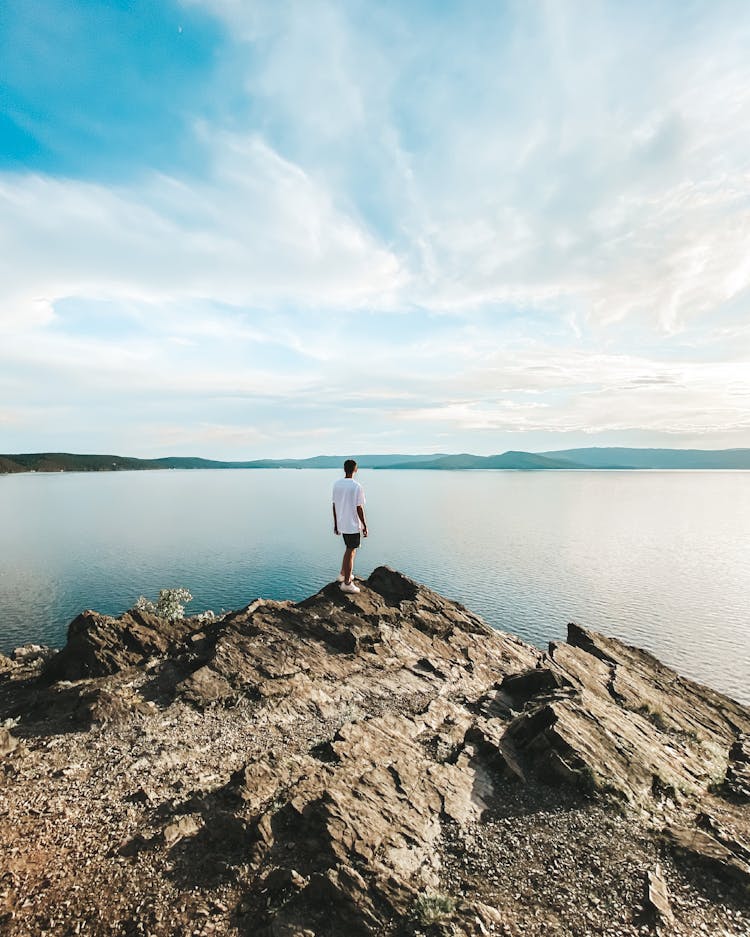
[617,720]
[533,682]
[98,645]
[702,846]
[656,896]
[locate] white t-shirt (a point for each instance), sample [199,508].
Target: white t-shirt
[347,494]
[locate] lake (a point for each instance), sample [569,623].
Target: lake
[659,559]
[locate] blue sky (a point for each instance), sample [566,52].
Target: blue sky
[239,229]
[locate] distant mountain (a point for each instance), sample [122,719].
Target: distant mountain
[70,462]
[594,458]
[617,457]
[508,460]
[318,461]
[7,466]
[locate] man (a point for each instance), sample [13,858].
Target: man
[349,520]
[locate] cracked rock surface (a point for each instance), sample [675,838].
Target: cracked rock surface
[380,763]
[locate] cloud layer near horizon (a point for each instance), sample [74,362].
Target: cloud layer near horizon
[381,227]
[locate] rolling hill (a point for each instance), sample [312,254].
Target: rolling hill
[618,457]
[592,458]
[525,461]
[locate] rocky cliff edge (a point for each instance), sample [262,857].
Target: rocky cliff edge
[382,763]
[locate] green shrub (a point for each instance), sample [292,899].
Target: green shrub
[170,605]
[432,909]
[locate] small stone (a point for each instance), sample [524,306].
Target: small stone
[185,826]
[8,742]
[32,653]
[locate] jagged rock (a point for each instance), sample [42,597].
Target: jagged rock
[306,768]
[637,682]
[394,636]
[523,686]
[375,805]
[205,686]
[702,846]
[632,727]
[99,645]
[737,777]
[724,828]
[102,705]
[6,663]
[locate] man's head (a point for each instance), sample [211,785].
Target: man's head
[350,467]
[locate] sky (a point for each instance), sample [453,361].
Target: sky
[242,229]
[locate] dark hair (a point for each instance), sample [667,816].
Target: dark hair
[349,466]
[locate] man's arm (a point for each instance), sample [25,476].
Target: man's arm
[361,513]
[335,521]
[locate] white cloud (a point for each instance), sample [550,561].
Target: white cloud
[542,155]
[567,185]
[259,232]
[577,191]
[594,394]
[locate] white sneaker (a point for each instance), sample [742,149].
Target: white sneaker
[340,578]
[349,587]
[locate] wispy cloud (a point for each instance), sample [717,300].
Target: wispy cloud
[512,223]
[260,232]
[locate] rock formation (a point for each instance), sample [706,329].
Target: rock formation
[382,763]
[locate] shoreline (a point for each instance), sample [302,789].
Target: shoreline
[281,468]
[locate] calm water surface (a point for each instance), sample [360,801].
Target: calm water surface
[660,559]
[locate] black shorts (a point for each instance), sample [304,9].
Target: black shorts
[351,540]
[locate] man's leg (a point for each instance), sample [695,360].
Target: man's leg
[347,567]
